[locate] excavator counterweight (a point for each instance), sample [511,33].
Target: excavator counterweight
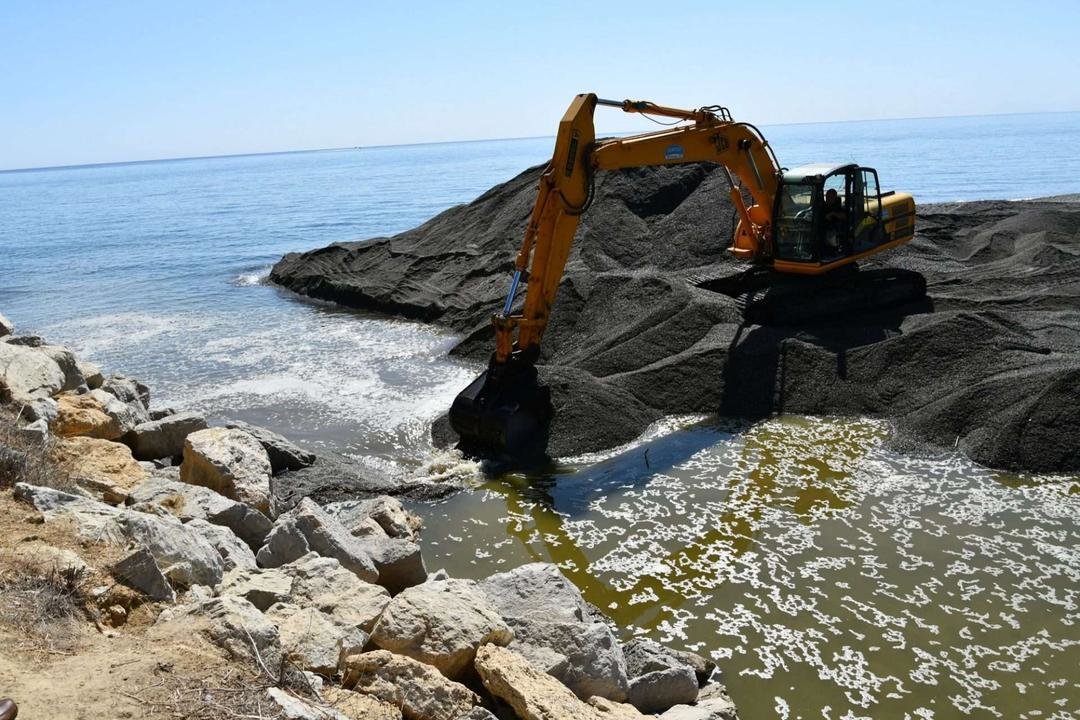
[808,221]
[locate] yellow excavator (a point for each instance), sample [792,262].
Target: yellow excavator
[809,220]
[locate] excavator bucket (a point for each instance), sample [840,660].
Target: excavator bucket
[504,413]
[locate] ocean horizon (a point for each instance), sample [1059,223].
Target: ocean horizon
[222,156]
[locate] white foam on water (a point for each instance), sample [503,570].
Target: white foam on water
[248,279]
[661,428]
[450,466]
[806,554]
[95,336]
[379,382]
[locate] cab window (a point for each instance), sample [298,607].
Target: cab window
[866,223]
[871,192]
[795,234]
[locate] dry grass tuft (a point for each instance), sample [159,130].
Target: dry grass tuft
[234,693]
[50,605]
[23,460]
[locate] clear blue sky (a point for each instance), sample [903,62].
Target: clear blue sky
[89,82]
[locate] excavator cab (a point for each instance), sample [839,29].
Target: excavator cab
[827,216]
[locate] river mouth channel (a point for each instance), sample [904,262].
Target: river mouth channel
[829,576]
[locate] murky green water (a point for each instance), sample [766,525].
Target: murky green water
[828,576]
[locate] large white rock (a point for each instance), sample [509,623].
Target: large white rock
[261,587]
[183,555]
[91,373]
[555,629]
[313,640]
[441,624]
[307,528]
[129,391]
[538,589]
[390,534]
[387,512]
[585,656]
[123,415]
[69,366]
[644,656]
[660,677]
[191,502]
[94,521]
[658,690]
[420,690]
[235,625]
[234,553]
[163,438]
[400,563]
[230,462]
[26,374]
[140,571]
[323,583]
[535,695]
[283,454]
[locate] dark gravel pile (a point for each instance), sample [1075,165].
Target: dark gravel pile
[989,362]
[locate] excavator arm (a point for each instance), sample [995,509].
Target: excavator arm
[504,410]
[566,190]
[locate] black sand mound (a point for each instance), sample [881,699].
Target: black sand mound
[989,362]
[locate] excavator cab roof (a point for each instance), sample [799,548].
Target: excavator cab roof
[814,170]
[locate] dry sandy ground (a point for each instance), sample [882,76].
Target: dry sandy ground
[79,669]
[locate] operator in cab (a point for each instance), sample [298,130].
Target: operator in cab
[834,209]
[834,216]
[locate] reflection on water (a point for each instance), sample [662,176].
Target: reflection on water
[830,577]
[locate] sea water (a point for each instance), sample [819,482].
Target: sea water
[830,577]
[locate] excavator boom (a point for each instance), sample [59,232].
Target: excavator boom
[566,191]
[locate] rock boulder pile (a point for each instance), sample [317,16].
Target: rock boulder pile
[989,363]
[337,591]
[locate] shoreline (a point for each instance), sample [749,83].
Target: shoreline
[210,532]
